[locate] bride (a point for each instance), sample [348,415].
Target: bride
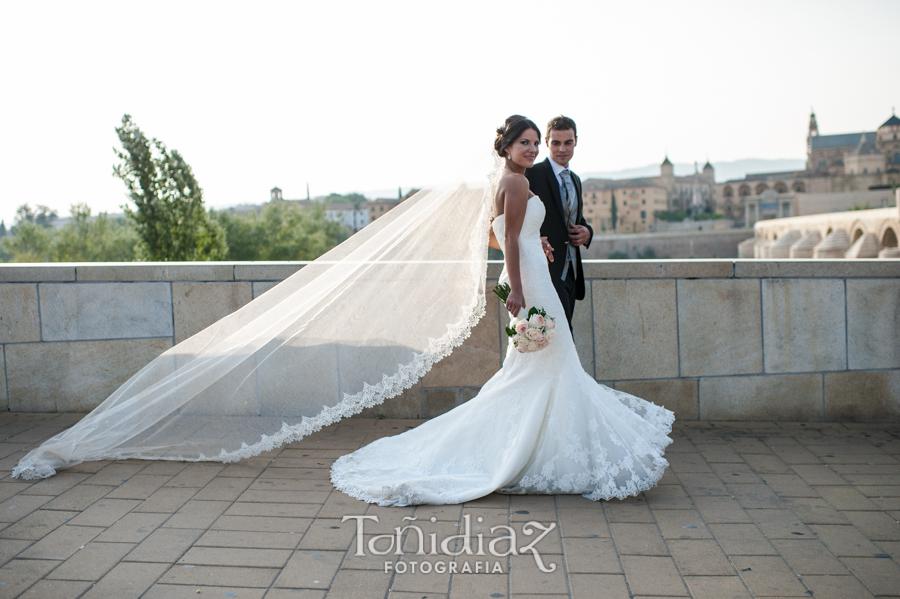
[368,320]
[541,424]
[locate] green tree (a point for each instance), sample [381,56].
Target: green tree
[82,239]
[672,217]
[648,253]
[100,239]
[41,216]
[281,231]
[28,243]
[2,229]
[171,220]
[614,212]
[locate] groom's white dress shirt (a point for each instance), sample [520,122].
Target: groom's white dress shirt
[557,169]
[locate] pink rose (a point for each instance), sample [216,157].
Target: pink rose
[531,346]
[533,334]
[537,320]
[551,323]
[544,342]
[522,327]
[520,349]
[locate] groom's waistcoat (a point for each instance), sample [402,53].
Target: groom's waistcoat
[545,184]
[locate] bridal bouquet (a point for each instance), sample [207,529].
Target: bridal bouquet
[531,333]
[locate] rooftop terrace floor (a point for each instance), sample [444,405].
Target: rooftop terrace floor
[758,509]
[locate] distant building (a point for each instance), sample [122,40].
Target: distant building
[353,216]
[348,215]
[692,194]
[381,206]
[636,202]
[842,171]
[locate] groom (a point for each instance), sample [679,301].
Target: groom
[564,225]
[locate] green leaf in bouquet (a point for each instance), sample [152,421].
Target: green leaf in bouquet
[502,292]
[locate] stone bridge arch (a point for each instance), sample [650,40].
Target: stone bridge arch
[888,237]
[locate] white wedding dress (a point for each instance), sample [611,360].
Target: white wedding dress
[540,425]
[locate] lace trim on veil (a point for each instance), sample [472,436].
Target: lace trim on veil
[371,395]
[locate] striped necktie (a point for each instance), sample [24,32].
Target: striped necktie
[570,206]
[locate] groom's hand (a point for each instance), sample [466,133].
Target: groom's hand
[548,249]
[579,235]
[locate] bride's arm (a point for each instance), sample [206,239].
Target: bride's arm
[514,194]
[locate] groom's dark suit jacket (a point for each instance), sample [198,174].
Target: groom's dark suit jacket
[544,183]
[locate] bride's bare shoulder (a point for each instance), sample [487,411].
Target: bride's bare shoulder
[514,184]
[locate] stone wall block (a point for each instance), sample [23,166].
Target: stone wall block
[719,327]
[265,271]
[4,397]
[477,359]
[157,271]
[260,287]
[873,323]
[35,273]
[862,396]
[803,325]
[583,326]
[791,397]
[19,319]
[635,330]
[678,395]
[657,269]
[828,269]
[198,305]
[82,312]
[74,376]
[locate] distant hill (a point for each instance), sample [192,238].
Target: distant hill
[725,171]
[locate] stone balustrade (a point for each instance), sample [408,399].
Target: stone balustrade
[850,234]
[797,340]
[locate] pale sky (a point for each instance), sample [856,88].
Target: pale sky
[362,96]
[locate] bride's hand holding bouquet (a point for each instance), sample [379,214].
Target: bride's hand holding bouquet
[530,331]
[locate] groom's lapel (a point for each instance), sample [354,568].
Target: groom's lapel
[577,182]
[554,188]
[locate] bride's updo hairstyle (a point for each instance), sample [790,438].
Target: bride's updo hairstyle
[511,130]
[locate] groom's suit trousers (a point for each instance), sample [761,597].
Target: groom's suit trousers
[566,290]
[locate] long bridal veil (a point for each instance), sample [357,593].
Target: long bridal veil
[359,325]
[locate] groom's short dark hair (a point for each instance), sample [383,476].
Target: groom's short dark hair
[561,123]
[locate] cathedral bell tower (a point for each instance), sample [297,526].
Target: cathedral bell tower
[813,132]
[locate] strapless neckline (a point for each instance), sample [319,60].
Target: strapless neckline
[504,214]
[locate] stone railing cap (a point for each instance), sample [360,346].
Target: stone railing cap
[593,269]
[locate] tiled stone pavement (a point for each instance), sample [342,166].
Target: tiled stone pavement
[746,510]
